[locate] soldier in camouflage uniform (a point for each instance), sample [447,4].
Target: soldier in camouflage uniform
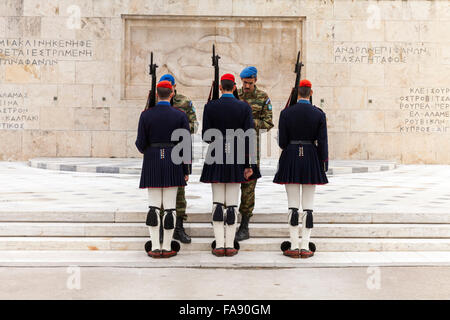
[184,104]
[262,116]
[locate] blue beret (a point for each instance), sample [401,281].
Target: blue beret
[249,72]
[168,77]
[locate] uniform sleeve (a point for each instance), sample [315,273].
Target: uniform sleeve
[249,124]
[193,123]
[322,141]
[142,140]
[283,135]
[187,166]
[205,123]
[266,120]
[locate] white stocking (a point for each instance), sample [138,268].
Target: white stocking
[307,204]
[154,200]
[218,192]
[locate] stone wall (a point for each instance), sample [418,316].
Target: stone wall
[73,73]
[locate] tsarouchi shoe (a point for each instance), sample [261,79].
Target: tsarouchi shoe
[306,253]
[168,254]
[292,253]
[218,252]
[229,252]
[154,253]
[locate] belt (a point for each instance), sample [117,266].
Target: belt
[301,142]
[162,145]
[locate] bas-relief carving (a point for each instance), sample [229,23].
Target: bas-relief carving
[268,44]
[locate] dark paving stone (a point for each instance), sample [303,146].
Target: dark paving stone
[65,167]
[360,169]
[107,170]
[42,165]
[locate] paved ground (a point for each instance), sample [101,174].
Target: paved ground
[250,275]
[409,188]
[204,259]
[308,283]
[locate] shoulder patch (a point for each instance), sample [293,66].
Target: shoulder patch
[269,105]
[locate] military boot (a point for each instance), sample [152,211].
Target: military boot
[180,233]
[242,233]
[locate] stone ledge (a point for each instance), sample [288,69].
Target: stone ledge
[205,217]
[204,244]
[133,166]
[202,230]
[138,259]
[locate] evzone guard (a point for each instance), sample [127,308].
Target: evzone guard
[184,104]
[302,166]
[160,175]
[225,114]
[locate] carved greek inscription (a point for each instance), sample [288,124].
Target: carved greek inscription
[386,54]
[43,52]
[426,110]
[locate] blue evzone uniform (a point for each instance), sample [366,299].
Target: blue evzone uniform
[154,141]
[302,161]
[227,112]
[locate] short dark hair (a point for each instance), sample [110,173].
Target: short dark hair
[163,93]
[304,92]
[227,85]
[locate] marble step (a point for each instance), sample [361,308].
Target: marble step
[139,217]
[204,244]
[261,230]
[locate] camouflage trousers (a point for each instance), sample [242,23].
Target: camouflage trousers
[247,198]
[248,190]
[181,204]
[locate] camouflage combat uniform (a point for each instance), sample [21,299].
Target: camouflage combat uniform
[184,104]
[262,116]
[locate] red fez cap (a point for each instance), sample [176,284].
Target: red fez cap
[164,84]
[227,76]
[305,83]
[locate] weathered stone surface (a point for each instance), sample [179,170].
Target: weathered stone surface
[75,95]
[109,144]
[38,142]
[11,145]
[73,143]
[132,151]
[11,7]
[372,65]
[40,8]
[91,118]
[56,118]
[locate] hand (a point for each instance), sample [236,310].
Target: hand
[248,173]
[186,178]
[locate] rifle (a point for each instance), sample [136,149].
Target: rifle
[293,97]
[214,92]
[151,100]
